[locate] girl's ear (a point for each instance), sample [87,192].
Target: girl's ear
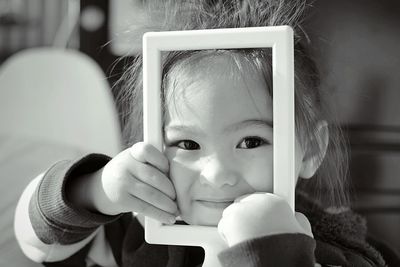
[313,156]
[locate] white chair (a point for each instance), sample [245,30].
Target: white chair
[54,104]
[60,96]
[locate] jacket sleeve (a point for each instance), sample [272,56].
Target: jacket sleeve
[284,250]
[47,226]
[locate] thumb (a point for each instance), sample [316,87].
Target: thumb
[304,223]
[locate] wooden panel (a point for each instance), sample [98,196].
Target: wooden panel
[356,45]
[375,174]
[375,161]
[385,226]
[29,23]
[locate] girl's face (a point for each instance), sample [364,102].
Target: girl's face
[218,137]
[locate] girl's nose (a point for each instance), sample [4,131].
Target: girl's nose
[218,173]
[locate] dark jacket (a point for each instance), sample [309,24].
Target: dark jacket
[340,239]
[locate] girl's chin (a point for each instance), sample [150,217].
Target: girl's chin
[202,222]
[203,218]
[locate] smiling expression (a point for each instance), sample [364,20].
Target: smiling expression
[218,137]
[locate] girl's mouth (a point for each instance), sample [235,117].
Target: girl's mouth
[216,204]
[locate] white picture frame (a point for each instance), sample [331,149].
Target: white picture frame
[280,39]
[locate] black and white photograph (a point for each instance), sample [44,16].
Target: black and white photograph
[200,133]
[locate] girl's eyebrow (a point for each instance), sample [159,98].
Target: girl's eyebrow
[248,123]
[230,128]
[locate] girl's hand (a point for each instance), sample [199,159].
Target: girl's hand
[135,180]
[260,214]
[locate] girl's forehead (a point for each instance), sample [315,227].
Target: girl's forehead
[215,67]
[216,90]
[208,61]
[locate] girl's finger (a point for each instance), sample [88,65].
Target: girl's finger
[147,153]
[153,177]
[151,195]
[138,205]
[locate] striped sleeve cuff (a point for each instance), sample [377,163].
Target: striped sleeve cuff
[284,250]
[53,217]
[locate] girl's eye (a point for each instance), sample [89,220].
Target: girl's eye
[188,145]
[251,142]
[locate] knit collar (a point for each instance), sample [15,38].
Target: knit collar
[340,227]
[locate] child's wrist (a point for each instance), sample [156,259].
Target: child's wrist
[84,192]
[97,198]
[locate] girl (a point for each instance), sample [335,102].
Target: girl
[218,157]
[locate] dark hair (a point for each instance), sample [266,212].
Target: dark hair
[329,186]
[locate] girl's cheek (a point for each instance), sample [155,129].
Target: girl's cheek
[189,159]
[177,154]
[260,180]
[183,166]
[184,159]
[258,170]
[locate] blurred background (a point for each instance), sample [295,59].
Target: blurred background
[355,43]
